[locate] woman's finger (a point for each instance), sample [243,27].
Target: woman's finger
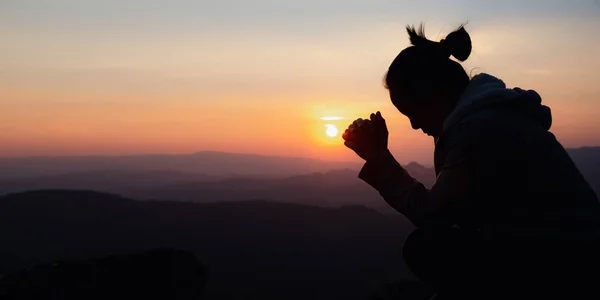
[380,117]
[365,124]
[346,134]
[374,120]
[380,120]
[351,134]
[352,130]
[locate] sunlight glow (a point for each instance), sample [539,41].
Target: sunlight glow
[331,130]
[331,118]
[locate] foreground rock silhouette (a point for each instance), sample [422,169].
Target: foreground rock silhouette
[155,274]
[403,289]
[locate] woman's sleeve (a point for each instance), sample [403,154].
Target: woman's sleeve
[437,206]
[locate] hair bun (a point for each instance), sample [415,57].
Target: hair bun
[458,44]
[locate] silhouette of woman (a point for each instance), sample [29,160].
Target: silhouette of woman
[510,215]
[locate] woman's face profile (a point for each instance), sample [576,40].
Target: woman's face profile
[420,117]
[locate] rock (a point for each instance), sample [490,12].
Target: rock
[155,274]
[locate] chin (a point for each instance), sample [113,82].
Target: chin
[429,132]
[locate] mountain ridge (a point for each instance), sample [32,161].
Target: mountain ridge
[258,248]
[324,185]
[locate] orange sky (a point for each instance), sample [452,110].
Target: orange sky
[70,89]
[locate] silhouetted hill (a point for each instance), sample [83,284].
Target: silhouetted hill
[255,249]
[113,181]
[588,161]
[331,188]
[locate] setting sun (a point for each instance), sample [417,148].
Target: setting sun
[331,130]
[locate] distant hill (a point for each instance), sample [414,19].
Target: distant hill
[206,163]
[332,188]
[116,181]
[253,249]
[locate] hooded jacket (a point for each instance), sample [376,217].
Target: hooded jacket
[514,178]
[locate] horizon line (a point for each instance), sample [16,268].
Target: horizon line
[228,153]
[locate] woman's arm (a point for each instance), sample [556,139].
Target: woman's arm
[424,207]
[437,206]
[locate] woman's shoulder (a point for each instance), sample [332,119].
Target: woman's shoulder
[488,131]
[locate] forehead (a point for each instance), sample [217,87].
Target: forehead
[401,100]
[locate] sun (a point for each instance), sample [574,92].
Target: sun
[331,130]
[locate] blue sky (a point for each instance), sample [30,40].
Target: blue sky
[181,14]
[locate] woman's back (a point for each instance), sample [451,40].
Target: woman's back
[525,183]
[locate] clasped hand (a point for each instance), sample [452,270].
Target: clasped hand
[368,138]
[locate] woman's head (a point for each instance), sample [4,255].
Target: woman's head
[424,83]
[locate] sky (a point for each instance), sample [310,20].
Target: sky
[81,77]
